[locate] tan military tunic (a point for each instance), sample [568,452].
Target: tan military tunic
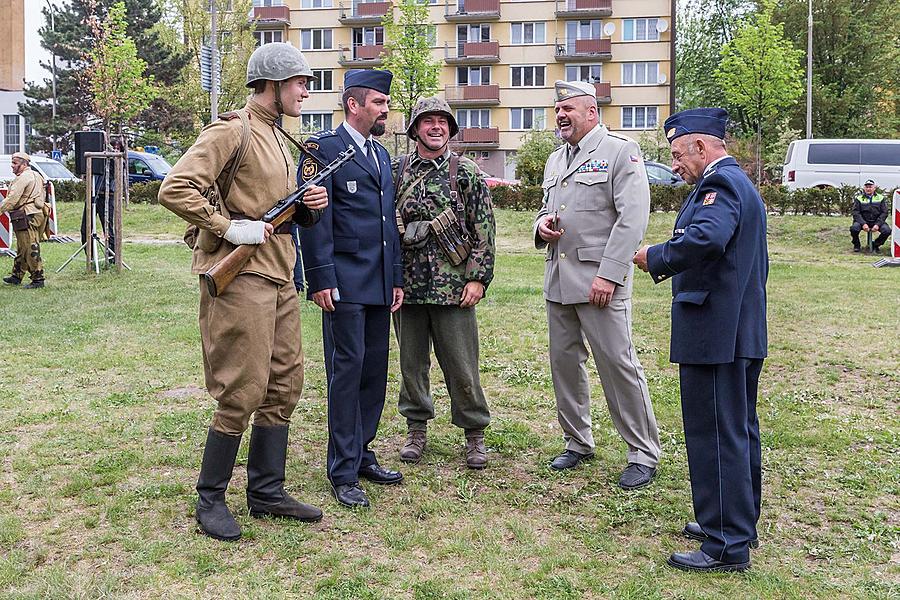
[26,192]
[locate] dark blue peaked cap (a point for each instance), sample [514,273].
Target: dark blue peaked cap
[711,121]
[374,79]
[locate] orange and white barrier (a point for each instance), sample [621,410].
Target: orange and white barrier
[52,223]
[6,236]
[895,224]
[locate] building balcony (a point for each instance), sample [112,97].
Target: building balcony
[576,9]
[364,13]
[472,95]
[576,50]
[473,11]
[361,56]
[472,53]
[604,92]
[477,137]
[271,15]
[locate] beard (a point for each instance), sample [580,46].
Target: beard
[378,128]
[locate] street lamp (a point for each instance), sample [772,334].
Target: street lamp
[809,27]
[51,9]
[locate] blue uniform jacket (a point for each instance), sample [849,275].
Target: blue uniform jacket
[719,262]
[355,246]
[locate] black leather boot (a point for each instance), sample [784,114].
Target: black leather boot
[265,477]
[218,463]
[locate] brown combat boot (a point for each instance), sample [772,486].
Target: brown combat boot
[476,453]
[412,450]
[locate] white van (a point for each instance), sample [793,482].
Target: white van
[833,163]
[50,169]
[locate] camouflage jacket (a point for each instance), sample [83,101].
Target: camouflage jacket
[428,277]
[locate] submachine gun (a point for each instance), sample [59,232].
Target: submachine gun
[223,272]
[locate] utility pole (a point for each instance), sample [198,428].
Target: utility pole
[809,57]
[214,64]
[53,70]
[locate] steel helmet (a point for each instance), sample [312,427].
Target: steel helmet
[431,106]
[277,61]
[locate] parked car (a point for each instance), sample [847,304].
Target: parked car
[835,163]
[143,166]
[50,169]
[660,174]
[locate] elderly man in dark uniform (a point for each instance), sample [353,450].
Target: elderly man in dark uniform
[718,261]
[354,273]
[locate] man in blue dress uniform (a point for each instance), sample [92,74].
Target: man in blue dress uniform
[354,273]
[718,261]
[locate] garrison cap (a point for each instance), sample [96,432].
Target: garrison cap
[869,182]
[21,156]
[374,79]
[710,121]
[570,89]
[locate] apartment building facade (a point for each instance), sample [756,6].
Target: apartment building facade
[499,60]
[12,75]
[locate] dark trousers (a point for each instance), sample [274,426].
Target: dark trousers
[106,214]
[356,356]
[884,232]
[721,432]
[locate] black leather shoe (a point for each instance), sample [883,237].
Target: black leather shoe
[693,531]
[350,494]
[701,562]
[569,459]
[34,285]
[857,248]
[378,474]
[12,280]
[636,476]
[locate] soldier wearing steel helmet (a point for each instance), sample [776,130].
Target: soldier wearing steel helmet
[440,298]
[250,333]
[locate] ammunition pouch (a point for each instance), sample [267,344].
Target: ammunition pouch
[416,235]
[450,237]
[18,219]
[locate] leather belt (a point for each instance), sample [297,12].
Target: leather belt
[284,228]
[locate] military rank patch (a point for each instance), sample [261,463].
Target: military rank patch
[594,166]
[309,169]
[710,198]
[312,145]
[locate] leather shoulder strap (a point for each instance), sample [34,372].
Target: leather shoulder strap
[239,155]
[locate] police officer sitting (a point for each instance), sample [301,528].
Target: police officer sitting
[870,210]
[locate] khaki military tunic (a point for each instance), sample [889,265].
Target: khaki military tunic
[27,192]
[250,333]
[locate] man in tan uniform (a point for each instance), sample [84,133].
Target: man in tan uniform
[595,212]
[25,200]
[250,332]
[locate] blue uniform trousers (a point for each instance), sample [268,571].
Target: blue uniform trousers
[356,356]
[721,432]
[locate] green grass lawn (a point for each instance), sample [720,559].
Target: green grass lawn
[103,417]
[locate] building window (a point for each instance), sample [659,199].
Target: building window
[528,33]
[261,3]
[267,36]
[583,30]
[639,117]
[639,30]
[478,117]
[323,82]
[473,33]
[473,75]
[316,4]
[526,118]
[10,134]
[315,39]
[311,122]
[527,76]
[368,36]
[586,73]
[640,73]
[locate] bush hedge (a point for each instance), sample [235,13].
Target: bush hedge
[140,193]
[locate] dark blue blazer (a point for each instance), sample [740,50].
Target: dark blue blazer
[355,247]
[719,262]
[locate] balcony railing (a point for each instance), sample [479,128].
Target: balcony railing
[272,14]
[364,13]
[604,92]
[472,11]
[478,136]
[360,55]
[569,50]
[583,8]
[473,52]
[481,95]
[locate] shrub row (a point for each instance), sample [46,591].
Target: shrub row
[140,193]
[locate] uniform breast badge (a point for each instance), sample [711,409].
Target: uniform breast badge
[309,169]
[710,198]
[351,187]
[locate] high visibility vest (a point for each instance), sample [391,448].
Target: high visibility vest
[875,199]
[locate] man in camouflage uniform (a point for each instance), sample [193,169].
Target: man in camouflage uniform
[439,301]
[27,193]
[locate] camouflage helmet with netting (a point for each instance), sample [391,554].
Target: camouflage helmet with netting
[431,106]
[277,61]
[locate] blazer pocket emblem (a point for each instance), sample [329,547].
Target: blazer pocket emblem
[351,187]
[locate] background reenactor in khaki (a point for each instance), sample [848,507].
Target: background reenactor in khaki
[250,332]
[596,209]
[25,202]
[439,296]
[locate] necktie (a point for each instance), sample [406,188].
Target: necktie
[370,152]
[573,150]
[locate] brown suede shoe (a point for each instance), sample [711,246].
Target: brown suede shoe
[476,454]
[412,450]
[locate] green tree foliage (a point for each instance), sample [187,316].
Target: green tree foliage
[71,42]
[408,41]
[654,145]
[116,76]
[537,145]
[856,66]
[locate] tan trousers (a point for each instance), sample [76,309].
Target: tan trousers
[608,333]
[252,356]
[28,249]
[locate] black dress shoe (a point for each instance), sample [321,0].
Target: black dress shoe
[702,562]
[350,494]
[569,459]
[636,476]
[378,474]
[693,531]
